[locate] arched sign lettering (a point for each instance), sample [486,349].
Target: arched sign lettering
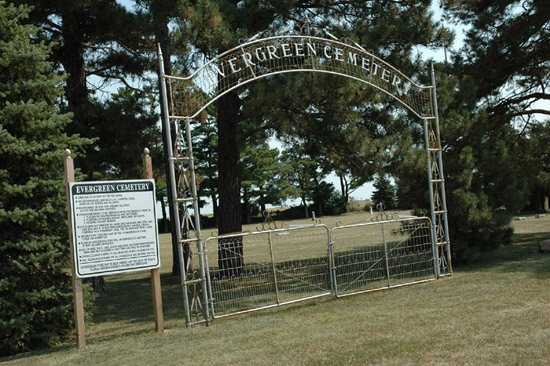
[279,54]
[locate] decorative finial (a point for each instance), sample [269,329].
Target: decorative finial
[67,153]
[146,151]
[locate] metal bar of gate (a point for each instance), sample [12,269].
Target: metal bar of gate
[210,298]
[332,266]
[386,254]
[274,269]
[386,288]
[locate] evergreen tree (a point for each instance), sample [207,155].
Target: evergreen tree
[535,158]
[384,192]
[205,150]
[326,199]
[302,175]
[98,43]
[262,178]
[482,165]
[514,35]
[35,286]
[120,143]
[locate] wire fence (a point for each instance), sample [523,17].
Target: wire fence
[258,270]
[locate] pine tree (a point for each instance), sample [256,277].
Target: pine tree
[483,171]
[263,178]
[205,146]
[302,175]
[35,286]
[535,157]
[384,192]
[514,35]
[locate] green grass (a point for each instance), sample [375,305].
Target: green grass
[493,312]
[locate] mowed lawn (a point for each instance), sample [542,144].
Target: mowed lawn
[494,311]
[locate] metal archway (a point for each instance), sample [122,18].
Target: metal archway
[184,98]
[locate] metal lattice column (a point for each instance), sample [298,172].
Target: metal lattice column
[438,204]
[184,190]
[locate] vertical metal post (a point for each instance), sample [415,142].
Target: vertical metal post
[332,266]
[273,268]
[386,253]
[196,214]
[432,205]
[208,280]
[442,176]
[172,177]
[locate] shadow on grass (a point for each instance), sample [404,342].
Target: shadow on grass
[66,346]
[131,300]
[522,256]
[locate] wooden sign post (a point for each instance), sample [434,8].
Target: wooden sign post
[78,302]
[155,272]
[83,268]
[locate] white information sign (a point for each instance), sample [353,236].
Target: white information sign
[114,227]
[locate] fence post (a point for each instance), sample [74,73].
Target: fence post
[155,272]
[274,269]
[78,301]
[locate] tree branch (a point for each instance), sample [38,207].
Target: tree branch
[528,112]
[522,98]
[121,79]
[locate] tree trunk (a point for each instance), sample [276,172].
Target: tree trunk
[246,207]
[72,59]
[98,284]
[230,260]
[319,208]
[305,206]
[546,205]
[262,207]
[214,198]
[318,202]
[164,216]
[344,189]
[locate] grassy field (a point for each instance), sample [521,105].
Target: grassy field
[496,311]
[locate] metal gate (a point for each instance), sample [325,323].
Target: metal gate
[258,270]
[382,254]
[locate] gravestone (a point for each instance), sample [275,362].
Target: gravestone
[545,246]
